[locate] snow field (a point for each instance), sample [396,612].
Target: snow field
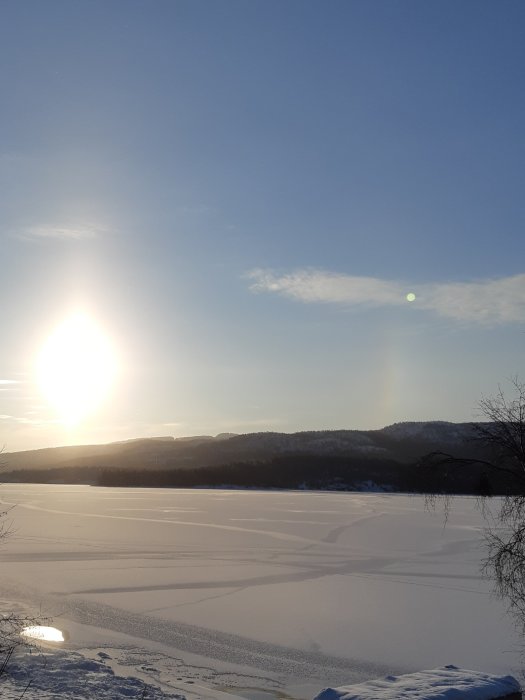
[285,592]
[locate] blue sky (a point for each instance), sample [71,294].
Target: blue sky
[240,195]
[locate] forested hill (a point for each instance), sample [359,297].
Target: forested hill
[347,459]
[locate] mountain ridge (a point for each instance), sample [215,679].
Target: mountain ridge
[402,441]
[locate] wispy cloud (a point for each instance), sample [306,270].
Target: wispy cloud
[77,232]
[9,384]
[22,420]
[489,301]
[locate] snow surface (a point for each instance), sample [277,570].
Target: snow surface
[208,592]
[71,676]
[447,683]
[430,431]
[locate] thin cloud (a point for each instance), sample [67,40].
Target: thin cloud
[9,384]
[78,232]
[13,419]
[320,286]
[488,302]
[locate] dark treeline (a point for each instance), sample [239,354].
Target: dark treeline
[285,472]
[57,475]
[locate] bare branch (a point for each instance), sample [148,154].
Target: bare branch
[502,435]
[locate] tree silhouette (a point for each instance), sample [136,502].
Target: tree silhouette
[502,435]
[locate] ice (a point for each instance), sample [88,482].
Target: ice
[280,591]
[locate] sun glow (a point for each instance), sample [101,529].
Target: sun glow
[76,368]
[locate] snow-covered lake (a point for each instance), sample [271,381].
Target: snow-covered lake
[208,591]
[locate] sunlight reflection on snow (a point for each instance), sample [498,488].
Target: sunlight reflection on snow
[43,633]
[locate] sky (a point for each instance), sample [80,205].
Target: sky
[257,215]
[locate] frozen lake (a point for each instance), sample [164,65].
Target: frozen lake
[281,591]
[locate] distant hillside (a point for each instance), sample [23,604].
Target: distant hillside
[386,459]
[401,442]
[136,453]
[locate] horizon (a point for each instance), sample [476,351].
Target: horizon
[280,216]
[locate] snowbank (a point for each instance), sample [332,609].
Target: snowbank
[71,676]
[447,683]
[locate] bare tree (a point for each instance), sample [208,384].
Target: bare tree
[8,627]
[11,623]
[502,435]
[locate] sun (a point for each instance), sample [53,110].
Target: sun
[76,368]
